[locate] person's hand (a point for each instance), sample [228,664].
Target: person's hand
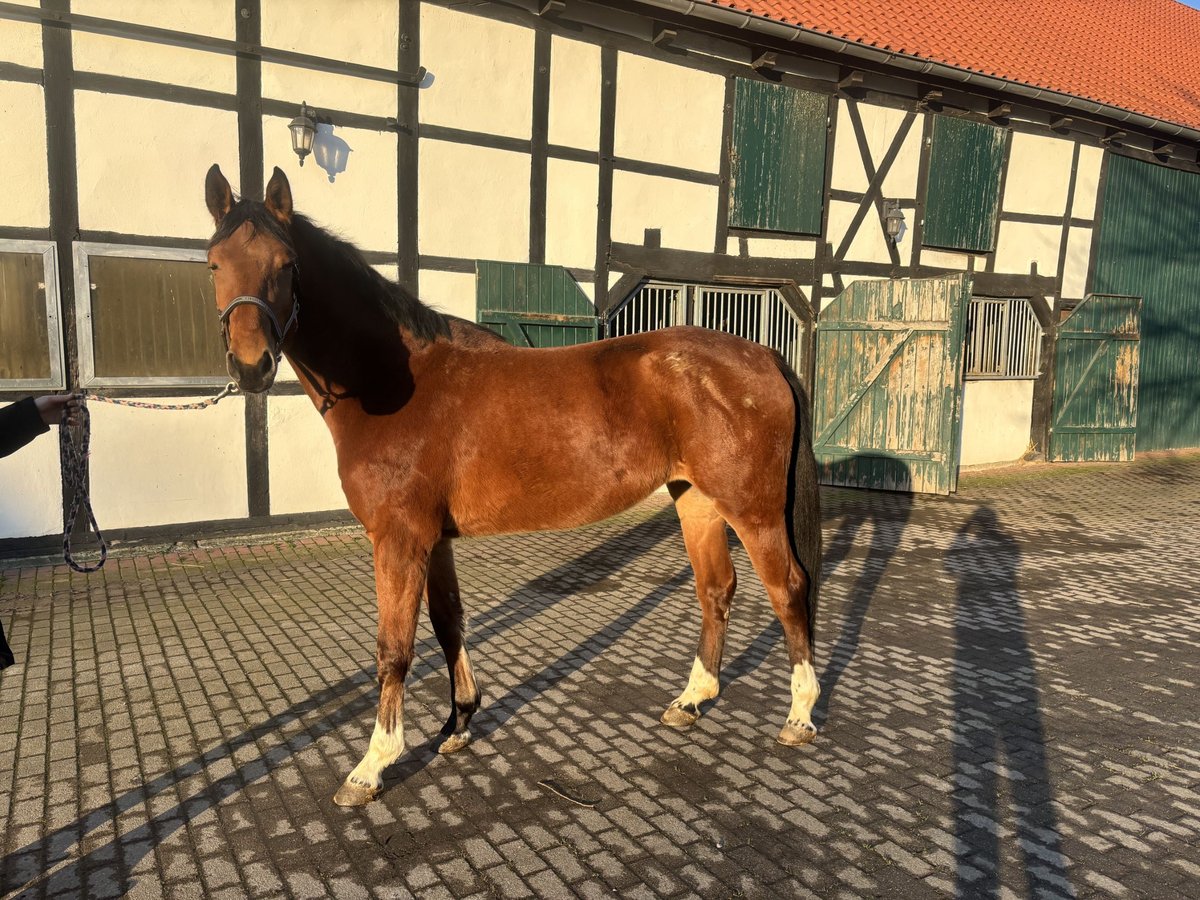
[54,408]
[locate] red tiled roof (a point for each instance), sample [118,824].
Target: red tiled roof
[1139,55]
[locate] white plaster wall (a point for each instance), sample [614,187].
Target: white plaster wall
[323,28]
[157,62]
[449,292]
[685,131]
[947,259]
[328,90]
[21,42]
[880,125]
[780,249]
[1075,269]
[1039,175]
[304,476]
[31,490]
[574,94]
[23,149]
[360,203]
[1020,243]
[1087,182]
[686,212]
[572,190]
[482,73]
[473,202]
[142,163]
[152,467]
[869,243]
[996,420]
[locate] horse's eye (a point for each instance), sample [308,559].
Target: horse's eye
[212,268]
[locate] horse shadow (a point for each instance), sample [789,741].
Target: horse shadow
[998,740]
[885,514]
[48,866]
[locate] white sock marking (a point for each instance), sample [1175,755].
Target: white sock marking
[702,685]
[805,690]
[385,749]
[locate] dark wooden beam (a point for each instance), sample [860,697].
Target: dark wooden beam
[663,37]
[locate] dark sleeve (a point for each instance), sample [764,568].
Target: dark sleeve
[20,423]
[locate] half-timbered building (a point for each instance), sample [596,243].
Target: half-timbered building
[973,232]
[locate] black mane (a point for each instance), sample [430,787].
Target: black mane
[323,252]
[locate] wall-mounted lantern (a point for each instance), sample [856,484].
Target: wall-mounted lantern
[304,129]
[893,220]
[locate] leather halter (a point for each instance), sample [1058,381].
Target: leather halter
[276,331]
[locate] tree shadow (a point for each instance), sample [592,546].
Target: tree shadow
[998,737]
[28,869]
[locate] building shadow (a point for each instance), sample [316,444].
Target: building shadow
[999,745]
[48,867]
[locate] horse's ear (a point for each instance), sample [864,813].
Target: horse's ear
[217,194]
[279,197]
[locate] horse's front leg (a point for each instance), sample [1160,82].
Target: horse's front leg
[401,565]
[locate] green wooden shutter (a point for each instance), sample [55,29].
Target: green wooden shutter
[778,165]
[533,305]
[1149,247]
[964,185]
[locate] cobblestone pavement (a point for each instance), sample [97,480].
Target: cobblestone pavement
[1010,709]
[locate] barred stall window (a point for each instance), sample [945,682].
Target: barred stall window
[30,335]
[147,316]
[1004,339]
[757,314]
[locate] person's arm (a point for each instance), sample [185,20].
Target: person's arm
[20,423]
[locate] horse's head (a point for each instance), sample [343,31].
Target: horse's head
[253,266]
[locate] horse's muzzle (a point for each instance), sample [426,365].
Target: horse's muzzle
[253,379]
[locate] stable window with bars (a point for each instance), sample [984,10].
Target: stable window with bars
[1004,339]
[31,349]
[147,316]
[758,314]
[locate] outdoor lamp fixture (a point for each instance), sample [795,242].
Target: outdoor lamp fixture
[304,129]
[893,219]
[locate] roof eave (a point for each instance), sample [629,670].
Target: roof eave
[819,40]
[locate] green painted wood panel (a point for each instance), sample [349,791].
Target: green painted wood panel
[1149,247]
[965,162]
[887,402]
[533,305]
[1096,381]
[778,158]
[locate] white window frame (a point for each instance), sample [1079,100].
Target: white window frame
[82,252]
[1028,363]
[57,379]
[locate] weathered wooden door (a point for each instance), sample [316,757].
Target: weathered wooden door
[1096,361]
[887,398]
[533,306]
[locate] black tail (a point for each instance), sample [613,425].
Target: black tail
[804,499]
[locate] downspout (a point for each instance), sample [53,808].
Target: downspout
[816,40]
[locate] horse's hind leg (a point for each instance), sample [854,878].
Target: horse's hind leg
[708,549]
[766,542]
[446,613]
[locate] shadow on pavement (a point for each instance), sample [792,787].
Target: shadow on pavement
[28,870]
[998,738]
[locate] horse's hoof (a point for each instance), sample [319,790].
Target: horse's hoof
[353,794]
[455,742]
[680,716]
[797,734]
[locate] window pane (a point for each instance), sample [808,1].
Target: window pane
[24,339]
[154,318]
[778,171]
[964,184]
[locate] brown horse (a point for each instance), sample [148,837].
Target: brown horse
[443,430]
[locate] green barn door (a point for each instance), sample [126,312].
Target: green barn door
[533,306]
[887,400]
[1096,381]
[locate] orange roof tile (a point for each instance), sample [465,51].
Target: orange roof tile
[1139,55]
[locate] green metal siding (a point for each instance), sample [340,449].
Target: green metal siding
[778,164]
[965,162]
[533,305]
[1149,247]
[1096,382]
[886,406]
